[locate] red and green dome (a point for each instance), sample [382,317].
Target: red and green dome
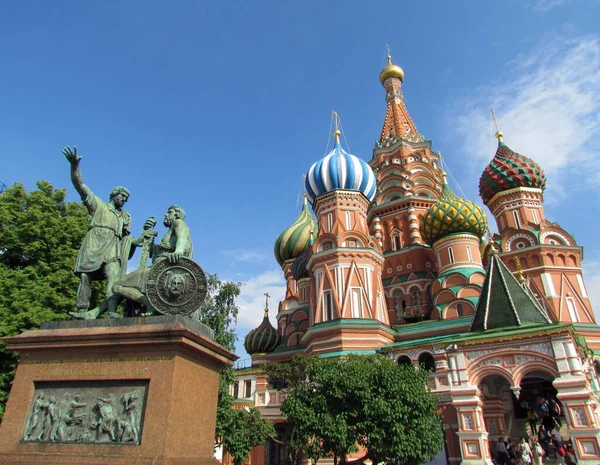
[509,170]
[263,339]
[452,214]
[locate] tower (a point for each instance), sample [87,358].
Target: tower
[512,187]
[347,306]
[290,250]
[409,182]
[454,227]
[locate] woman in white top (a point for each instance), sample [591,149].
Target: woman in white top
[526,456]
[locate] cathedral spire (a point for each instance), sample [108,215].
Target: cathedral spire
[397,121]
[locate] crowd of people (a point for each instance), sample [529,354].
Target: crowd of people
[544,441]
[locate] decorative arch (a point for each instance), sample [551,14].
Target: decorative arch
[470,290]
[558,237]
[519,241]
[547,366]
[455,279]
[445,296]
[294,339]
[324,240]
[479,373]
[454,311]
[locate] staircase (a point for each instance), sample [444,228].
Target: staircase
[519,427]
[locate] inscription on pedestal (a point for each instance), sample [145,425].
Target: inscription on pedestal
[87,412]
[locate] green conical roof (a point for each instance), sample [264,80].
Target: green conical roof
[504,303]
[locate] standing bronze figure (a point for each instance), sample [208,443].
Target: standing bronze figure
[107,246]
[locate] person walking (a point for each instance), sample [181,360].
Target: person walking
[525,455]
[536,450]
[501,452]
[560,449]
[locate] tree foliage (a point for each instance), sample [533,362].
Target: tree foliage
[40,234]
[219,310]
[366,401]
[245,429]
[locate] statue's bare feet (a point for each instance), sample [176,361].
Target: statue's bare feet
[86,315]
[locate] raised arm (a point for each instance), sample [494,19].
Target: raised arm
[76,177]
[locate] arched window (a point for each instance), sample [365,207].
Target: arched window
[459,310]
[426,362]
[399,303]
[404,360]
[415,296]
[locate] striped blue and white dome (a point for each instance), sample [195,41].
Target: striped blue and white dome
[340,170]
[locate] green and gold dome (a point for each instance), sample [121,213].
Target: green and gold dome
[452,214]
[293,240]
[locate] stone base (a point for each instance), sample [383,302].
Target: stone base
[173,358]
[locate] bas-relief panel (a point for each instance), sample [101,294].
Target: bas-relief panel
[87,412]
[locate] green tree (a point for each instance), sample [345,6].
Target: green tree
[290,376]
[368,401]
[244,430]
[40,234]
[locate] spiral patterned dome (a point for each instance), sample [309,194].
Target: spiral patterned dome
[263,339]
[293,240]
[340,170]
[452,214]
[509,170]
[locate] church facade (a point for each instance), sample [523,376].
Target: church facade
[396,263]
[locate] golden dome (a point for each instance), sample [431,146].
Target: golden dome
[391,70]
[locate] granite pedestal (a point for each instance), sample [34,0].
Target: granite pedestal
[120,391]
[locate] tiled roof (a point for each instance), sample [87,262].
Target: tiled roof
[503,302]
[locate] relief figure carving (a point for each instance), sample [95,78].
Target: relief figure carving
[109,414]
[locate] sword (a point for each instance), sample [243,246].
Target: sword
[149,235]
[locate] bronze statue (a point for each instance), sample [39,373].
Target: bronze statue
[173,285]
[107,245]
[175,245]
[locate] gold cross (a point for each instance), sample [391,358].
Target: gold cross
[267,299]
[337,119]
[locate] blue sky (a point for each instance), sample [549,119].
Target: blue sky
[221,106]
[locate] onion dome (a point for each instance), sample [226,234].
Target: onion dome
[391,70]
[263,339]
[509,170]
[293,240]
[340,170]
[299,270]
[452,214]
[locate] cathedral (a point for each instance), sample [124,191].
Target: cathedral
[396,263]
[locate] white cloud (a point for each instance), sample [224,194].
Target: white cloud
[548,107]
[591,276]
[251,301]
[545,5]
[247,255]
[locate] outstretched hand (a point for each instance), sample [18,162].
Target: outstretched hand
[71,155]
